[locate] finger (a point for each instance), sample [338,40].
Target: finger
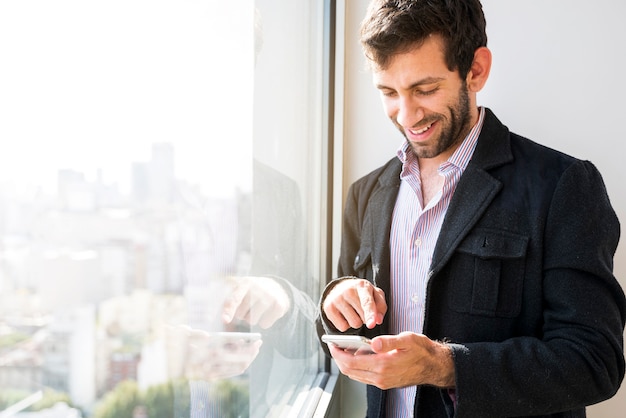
[238,303]
[337,318]
[368,305]
[270,316]
[259,310]
[344,315]
[242,311]
[387,343]
[381,305]
[232,301]
[267,320]
[360,367]
[339,354]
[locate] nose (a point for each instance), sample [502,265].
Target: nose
[409,112]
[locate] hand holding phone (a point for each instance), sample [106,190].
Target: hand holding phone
[352,343]
[198,354]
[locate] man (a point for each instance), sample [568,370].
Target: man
[480,263]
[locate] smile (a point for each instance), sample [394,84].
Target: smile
[420,131]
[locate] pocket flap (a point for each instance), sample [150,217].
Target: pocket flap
[491,243]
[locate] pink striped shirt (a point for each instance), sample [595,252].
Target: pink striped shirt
[414,232]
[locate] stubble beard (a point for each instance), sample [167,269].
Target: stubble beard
[452,133]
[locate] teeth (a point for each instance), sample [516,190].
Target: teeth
[421,131]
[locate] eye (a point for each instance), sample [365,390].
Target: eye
[427,92]
[388,93]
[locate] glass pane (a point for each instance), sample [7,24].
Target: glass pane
[159,206]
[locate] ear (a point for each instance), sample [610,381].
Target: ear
[479,71]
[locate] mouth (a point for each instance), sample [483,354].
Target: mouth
[421,130]
[420,134]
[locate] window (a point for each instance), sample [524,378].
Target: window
[162,205]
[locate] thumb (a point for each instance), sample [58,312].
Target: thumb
[386,343]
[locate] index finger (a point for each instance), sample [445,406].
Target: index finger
[366,296]
[234,306]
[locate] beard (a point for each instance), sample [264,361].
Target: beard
[454,127]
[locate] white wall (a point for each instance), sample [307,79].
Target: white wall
[557,78]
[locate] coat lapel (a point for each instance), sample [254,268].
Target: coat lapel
[380,210]
[476,189]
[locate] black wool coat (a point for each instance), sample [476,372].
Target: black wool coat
[521,282]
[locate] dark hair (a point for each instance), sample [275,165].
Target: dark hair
[393,26]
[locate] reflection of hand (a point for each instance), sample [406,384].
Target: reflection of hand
[256,300]
[215,355]
[353,303]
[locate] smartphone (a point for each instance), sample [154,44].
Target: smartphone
[213,355]
[223,340]
[351,343]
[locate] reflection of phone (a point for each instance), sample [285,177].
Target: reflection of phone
[352,343]
[211,355]
[225,339]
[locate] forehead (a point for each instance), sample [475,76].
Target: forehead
[425,60]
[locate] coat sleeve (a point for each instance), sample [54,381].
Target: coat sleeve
[352,228]
[351,232]
[578,359]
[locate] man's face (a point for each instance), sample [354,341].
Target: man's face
[428,103]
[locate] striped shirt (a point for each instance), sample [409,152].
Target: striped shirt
[414,232]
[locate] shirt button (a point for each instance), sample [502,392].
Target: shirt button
[418,242]
[415,298]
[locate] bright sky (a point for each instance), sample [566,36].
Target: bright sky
[88,84]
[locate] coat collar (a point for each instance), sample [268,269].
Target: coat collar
[494,146]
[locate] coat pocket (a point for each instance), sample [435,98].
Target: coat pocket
[488,273]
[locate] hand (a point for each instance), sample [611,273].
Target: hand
[353,303]
[401,360]
[197,354]
[256,300]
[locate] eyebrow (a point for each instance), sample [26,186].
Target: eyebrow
[422,82]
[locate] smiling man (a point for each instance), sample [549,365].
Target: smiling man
[479,262]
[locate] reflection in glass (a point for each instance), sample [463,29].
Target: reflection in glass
[157,218]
